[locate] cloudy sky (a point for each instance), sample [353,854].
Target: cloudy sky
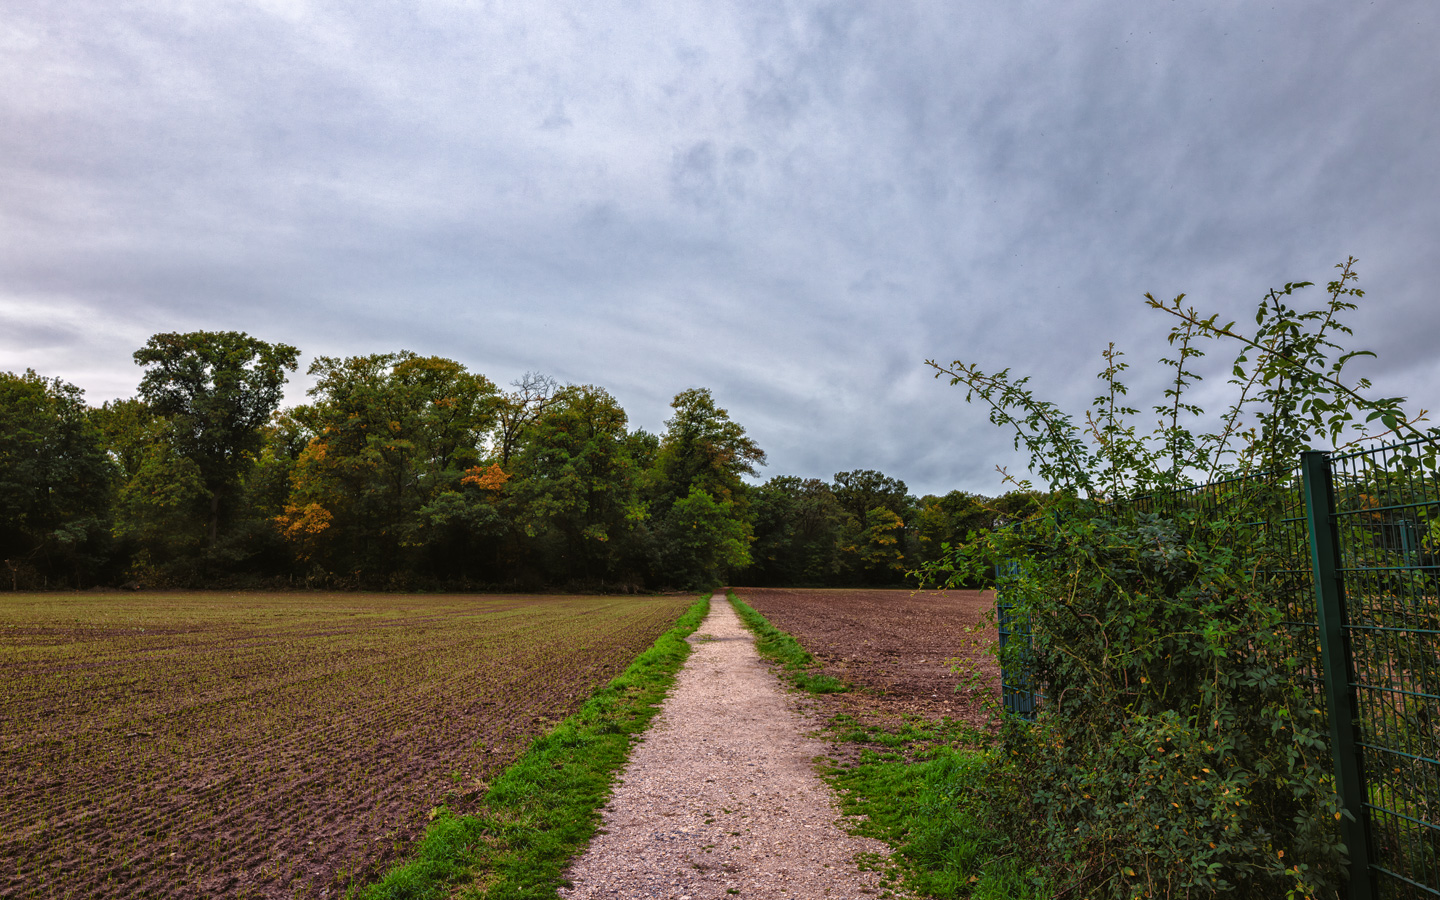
[791,203]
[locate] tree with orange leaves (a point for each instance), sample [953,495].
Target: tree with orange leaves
[394,434]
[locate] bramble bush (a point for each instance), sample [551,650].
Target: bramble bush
[1180,749]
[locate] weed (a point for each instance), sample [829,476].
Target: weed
[928,810]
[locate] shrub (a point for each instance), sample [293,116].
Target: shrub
[1180,749]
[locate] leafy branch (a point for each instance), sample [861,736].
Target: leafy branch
[1048,434]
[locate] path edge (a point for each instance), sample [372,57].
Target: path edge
[544,808]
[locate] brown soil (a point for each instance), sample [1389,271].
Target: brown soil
[900,648]
[264,745]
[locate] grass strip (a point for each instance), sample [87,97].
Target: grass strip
[921,800]
[775,644]
[544,808]
[913,787]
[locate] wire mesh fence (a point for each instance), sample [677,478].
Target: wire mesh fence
[1019,694]
[1387,522]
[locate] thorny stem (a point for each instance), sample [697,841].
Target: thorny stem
[986,385]
[1231,422]
[1270,350]
[1175,407]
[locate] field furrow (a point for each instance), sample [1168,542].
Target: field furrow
[269,745]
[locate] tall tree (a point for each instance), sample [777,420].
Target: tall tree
[127,427]
[163,507]
[55,477]
[862,490]
[697,492]
[703,448]
[574,474]
[880,553]
[798,533]
[217,388]
[517,409]
[704,540]
[392,433]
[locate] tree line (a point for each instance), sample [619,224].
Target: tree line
[408,471]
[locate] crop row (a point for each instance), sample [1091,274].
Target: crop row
[270,745]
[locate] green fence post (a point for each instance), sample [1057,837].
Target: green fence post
[1338,665]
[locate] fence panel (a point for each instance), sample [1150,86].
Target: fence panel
[1387,518]
[1019,695]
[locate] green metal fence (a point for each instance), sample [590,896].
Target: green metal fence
[1356,537]
[1019,694]
[1384,514]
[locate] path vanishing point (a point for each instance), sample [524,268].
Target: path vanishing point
[720,798]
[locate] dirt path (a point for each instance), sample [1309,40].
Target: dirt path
[721,798]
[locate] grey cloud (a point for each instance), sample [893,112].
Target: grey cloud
[693,177]
[791,203]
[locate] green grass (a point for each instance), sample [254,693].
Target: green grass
[775,644]
[914,784]
[545,807]
[919,798]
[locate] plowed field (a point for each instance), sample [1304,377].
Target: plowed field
[272,745]
[897,646]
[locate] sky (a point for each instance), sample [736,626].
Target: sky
[794,204]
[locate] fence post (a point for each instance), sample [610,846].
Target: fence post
[1017,678]
[1339,668]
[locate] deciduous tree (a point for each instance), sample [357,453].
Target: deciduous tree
[217,388]
[55,478]
[393,432]
[698,469]
[862,490]
[704,448]
[574,474]
[517,409]
[798,533]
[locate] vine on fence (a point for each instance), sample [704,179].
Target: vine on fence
[1180,750]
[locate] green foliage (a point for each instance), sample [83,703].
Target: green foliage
[55,481]
[217,389]
[573,475]
[862,490]
[519,408]
[392,433]
[805,535]
[800,529]
[163,508]
[546,806]
[877,509]
[702,448]
[410,472]
[702,539]
[1178,751]
[127,428]
[879,552]
[943,524]
[695,495]
[795,661]
[947,521]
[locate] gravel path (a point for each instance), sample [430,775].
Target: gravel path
[721,797]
